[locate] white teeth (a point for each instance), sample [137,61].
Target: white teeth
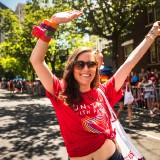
[85,75]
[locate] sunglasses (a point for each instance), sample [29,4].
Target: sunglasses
[81,64]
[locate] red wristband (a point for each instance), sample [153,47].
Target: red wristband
[40,33]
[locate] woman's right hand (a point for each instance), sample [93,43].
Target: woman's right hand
[155,30]
[64,17]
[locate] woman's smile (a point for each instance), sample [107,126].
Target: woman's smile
[85,75]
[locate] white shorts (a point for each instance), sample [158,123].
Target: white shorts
[149,95]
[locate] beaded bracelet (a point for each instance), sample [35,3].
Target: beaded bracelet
[50,23]
[47,27]
[49,31]
[46,30]
[40,33]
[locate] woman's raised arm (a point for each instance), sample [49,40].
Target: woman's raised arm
[39,51]
[136,55]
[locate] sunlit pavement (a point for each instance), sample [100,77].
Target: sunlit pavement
[29,129]
[146,133]
[142,122]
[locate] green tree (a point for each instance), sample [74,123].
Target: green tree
[9,48]
[110,19]
[62,42]
[19,42]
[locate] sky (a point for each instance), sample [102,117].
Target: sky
[12,3]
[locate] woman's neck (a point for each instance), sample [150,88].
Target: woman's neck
[84,89]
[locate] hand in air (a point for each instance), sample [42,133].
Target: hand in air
[155,30]
[64,17]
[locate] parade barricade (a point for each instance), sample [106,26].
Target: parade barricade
[140,101]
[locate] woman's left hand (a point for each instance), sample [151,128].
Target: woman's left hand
[64,17]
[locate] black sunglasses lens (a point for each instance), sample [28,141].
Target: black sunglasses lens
[91,64]
[79,64]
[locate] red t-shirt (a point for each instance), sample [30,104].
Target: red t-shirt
[85,127]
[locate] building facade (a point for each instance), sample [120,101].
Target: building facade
[19,11]
[143,24]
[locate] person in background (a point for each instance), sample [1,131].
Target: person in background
[103,77]
[150,73]
[79,105]
[156,84]
[99,56]
[149,95]
[155,77]
[141,74]
[135,79]
[156,73]
[121,102]
[11,86]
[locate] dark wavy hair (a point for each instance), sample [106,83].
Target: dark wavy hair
[70,93]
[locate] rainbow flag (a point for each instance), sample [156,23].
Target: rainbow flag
[104,78]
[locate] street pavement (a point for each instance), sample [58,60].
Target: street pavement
[29,129]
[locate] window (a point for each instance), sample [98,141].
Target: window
[127,50]
[153,53]
[158,48]
[151,15]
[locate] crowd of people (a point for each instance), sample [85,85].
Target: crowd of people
[23,86]
[144,86]
[147,87]
[151,73]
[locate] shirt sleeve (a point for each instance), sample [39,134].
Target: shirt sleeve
[109,89]
[57,85]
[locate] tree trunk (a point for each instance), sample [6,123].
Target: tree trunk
[115,53]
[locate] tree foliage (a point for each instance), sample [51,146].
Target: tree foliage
[107,19]
[110,19]
[19,43]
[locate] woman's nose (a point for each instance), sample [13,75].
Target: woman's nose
[85,67]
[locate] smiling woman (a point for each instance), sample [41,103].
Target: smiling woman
[81,109]
[85,69]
